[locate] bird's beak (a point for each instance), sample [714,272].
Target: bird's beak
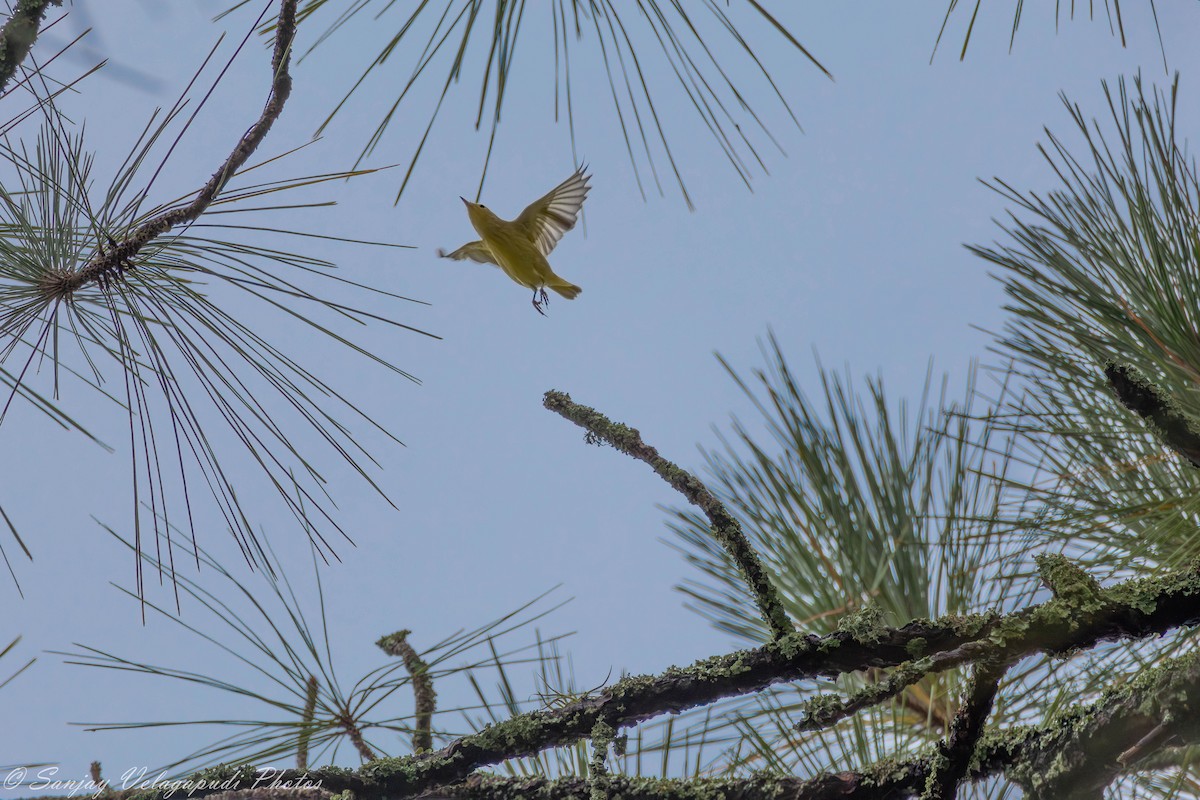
[466,202]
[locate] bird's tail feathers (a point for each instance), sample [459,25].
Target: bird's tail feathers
[565,288]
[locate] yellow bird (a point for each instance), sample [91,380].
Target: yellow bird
[520,246]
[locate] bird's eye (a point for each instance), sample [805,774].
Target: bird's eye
[481,205]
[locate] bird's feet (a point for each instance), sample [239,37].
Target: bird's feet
[540,298]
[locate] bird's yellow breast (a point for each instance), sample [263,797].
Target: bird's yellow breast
[516,254]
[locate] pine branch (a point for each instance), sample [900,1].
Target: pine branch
[115,260]
[726,529]
[19,33]
[1081,615]
[1070,757]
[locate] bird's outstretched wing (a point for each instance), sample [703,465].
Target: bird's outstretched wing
[546,220]
[473,251]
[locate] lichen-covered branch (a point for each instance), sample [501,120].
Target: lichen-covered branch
[825,710]
[1081,604]
[1080,615]
[1069,757]
[115,260]
[1078,753]
[599,778]
[1137,393]
[727,529]
[832,786]
[424,697]
[953,757]
[19,33]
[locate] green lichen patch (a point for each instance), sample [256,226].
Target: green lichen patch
[819,709]
[865,624]
[1144,594]
[966,626]
[795,645]
[1070,583]
[916,647]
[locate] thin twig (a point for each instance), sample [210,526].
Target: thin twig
[306,722]
[827,710]
[726,529]
[1152,742]
[424,697]
[19,33]
[116,259]
[350,726]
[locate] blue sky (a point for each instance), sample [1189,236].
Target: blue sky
[851,247]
